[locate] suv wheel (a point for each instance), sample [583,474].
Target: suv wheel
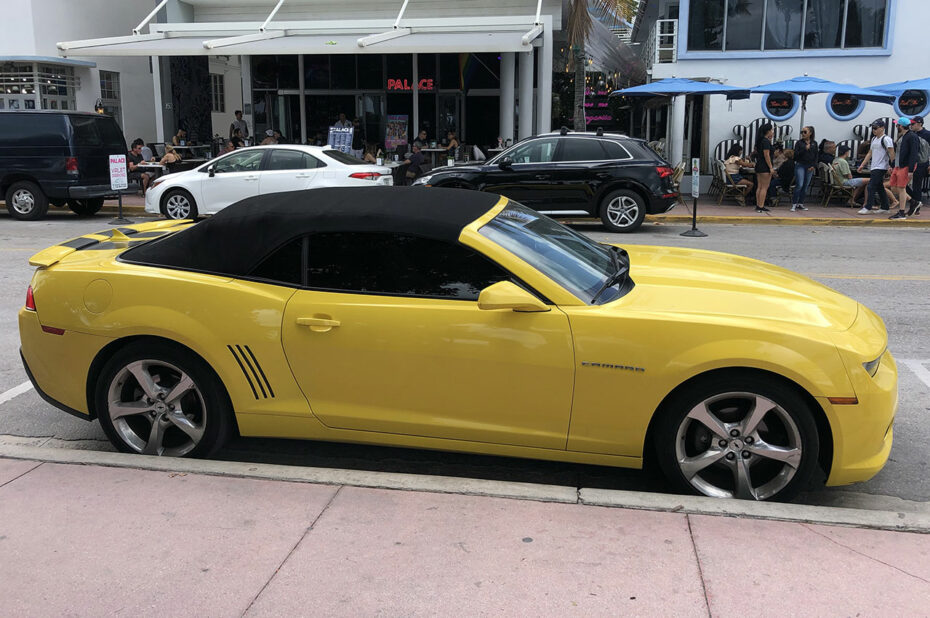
[86,208]
[178,204]
[25,201]
[623,211]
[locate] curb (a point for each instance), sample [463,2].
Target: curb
[767,220]
[691,505]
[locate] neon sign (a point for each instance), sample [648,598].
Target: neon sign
[405,85]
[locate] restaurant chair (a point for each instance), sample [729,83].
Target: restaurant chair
[677,175]
[730,188]
[716,183]
[833,185]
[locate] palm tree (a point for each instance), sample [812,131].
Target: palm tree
[579,27]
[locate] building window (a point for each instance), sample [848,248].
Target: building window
[218,92]
[757,25]
[110,95]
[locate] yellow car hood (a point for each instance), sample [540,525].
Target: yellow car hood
[709,283]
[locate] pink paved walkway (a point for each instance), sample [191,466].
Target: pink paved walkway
[87,540]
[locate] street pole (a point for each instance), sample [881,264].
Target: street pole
[695,191]
[120,220]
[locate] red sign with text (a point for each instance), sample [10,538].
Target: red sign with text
[406,85]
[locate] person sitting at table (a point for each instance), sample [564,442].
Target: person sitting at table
[421,140]
[827,152]
[171,156]
[779,155]
[453,141]
[734,162]
[415,163]
[228,147]
[237,140]
[269,138]
[841,168]
[371,153]
[134,159]
[180,138]
[783,176]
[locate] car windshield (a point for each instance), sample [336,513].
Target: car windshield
[575,262]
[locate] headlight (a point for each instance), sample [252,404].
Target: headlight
[422,180]
[156,182]
[872,366]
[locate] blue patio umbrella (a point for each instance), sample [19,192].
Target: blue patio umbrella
[898,88]
[675,86]
[805,85]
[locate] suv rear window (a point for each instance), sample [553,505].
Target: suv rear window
[91,132]
[615,150]
[342,157]
[580,149]
[25,129]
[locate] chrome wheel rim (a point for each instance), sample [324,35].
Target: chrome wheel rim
[23,201]
[156,409]
[740,445]
[178,207]
[622,211]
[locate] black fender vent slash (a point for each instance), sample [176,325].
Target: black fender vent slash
[252,370]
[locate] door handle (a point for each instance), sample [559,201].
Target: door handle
[541,176]
[250,178]
[318,325]
[303,176]
[602,175]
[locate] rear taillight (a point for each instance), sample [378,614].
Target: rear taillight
[366,175]
[30,301]
[71,165]
[664,171]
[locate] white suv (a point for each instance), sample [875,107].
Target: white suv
[258,170]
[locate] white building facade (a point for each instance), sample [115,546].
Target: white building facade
[751,42]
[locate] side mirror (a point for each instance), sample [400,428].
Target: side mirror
[506,163]
[211,171]
[507,295]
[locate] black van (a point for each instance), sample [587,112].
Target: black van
[53,157]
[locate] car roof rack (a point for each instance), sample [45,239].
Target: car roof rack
[563,131]
[600,131]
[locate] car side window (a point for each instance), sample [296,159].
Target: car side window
[615,150]
[291,160]
[248,161]
[534,151]
[398,264]
[285,265]
[580,149]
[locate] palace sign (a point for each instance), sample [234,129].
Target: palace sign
[406,85]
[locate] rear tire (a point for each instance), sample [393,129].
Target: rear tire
[156,398]
[178,204]
[738,436]
[86,208]
[26,201]
[623,211]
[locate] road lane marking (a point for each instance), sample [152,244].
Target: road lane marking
[876,277]
[917,366]
[16,390]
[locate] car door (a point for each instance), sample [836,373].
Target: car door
[527,179]
[578,172]
[235,177]
[288,169]
[387,336]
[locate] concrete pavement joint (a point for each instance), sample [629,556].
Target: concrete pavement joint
[293,549]
[697,558]
[836,516]
[864,555]
[38,463]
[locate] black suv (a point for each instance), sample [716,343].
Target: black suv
[614,177]
[56,157]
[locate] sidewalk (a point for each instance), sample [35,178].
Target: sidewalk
[93,540]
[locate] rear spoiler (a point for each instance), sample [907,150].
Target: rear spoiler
[121,237]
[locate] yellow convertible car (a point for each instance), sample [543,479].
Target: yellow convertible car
[457,320]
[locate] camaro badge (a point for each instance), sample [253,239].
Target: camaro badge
[611,366]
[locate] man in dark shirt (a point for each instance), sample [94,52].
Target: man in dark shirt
[920,172]
[133,160]
[415,163]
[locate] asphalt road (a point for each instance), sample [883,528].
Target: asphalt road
[887,269]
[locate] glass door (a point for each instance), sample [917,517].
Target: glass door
[371,113]
[449,108]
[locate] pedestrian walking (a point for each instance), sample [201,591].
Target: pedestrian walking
[879,157]
[907,148]
[806,154]
[923,163]
[764,164]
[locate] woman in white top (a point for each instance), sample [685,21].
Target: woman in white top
[734,162]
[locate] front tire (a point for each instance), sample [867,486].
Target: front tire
[154,398]
[26,201]
[86,208]
[623,211]
[178,204]
[738,436]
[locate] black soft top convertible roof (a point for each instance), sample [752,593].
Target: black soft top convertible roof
[240,236]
